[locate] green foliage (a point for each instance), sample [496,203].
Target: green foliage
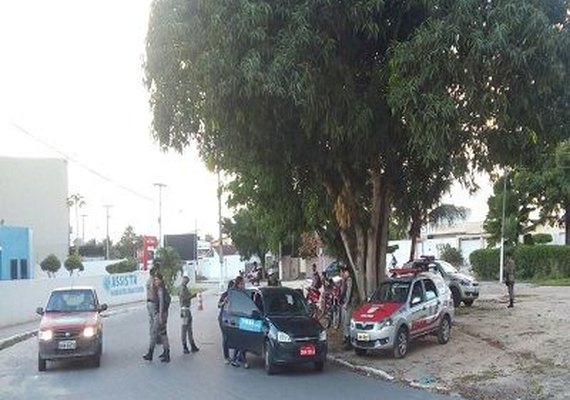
[129,244]
[170,265]
[248,234]
[51,264]
[72,263]
[451,255]
[532,262]
[542,238]
[323,109]
[128,265]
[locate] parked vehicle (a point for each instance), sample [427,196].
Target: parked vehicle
[464,287]
[414,303]
[274,322]
[71,326]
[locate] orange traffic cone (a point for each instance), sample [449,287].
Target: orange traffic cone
[200,302]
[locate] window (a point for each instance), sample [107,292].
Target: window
[13,269]
[417,291]
[24,269]
[240,302]
[392,292]
[285,303]
[431,291]
[71,300]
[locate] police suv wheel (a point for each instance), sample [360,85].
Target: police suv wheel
[444,331]
[468,303]
[401,343]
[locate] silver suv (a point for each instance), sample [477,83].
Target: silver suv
[464,287]
[414,303]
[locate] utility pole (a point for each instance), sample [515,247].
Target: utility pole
[83,216]
[160,186]
[107,244]
[502,257]
[221,249]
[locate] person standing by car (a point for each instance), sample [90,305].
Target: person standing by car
[151,306]
[160,318]
[346,302]
[240,353]
[509,277]
[185,300]
[221,303]
[316,281]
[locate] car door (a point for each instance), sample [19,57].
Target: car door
[243,322]
[432,303]
[418,309]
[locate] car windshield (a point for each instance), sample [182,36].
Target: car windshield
[285,303]
[447,267]
[71,301]
[392,292]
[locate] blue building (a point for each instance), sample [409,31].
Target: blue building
[15,253]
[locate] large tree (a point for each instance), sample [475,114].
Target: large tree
[335,100]
[129,244]
[248,234]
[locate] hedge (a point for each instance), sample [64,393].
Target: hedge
[532,262]
[129,265]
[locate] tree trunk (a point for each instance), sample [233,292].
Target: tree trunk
[383,238]
[415,231]
[567,223]
[374,230]
[353,261]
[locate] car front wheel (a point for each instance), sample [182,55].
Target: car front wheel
[401,343]
[468,303]
[41,364]
[444,331]
[268,359]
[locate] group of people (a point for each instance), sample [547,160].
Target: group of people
[158,302]
[238,358]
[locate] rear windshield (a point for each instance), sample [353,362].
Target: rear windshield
[289,303]
[71,300]
[392,292]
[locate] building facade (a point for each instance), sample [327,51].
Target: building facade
[15,253]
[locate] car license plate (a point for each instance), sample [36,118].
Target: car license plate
[363,337]
[67,345]
[307,351]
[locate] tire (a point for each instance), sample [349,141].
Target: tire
[444,331]
[268,359]
[319,366]
[456,296]
[42,364]
[468,303]
[402,342]
[96,361]
[360,352]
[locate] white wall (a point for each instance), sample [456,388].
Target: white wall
[33,194]
[21,298]
[210,267]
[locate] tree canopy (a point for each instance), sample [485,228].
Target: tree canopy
[346,106]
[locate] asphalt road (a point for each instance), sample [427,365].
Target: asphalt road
[124,375]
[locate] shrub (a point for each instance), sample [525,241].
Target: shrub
[122,267]
[73,263]
[51,264]
[532,262]
[542,238]
[451,255]
[485,263]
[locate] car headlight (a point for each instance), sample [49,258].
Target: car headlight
[385,323]
[352,324]
[46,335]
[90,331]
[323,336]
[463,282]
[283,337]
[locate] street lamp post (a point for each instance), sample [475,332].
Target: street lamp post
[221,248]
[107,244]
[160,186]
[83,216]
[502,255]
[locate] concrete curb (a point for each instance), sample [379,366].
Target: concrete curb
[20,337]
[385,376]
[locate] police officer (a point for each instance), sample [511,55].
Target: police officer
[160,320]
[151,304]
[185,298]
[509,277]
[346,302]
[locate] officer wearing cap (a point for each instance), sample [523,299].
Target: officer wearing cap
[185,299]
[152,303]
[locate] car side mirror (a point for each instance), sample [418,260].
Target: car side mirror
[40,311]
[103,307]
[416,301]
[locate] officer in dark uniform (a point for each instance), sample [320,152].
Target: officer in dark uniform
[151,304]
[509,278]
[185,300]
[160,320]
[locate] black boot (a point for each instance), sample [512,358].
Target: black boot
[165,357]
[194,348]
[185,347]
[148,356]
[511,304]
[164,352]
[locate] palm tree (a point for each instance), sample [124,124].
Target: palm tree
[77,201]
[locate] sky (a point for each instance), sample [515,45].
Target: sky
[72,80]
